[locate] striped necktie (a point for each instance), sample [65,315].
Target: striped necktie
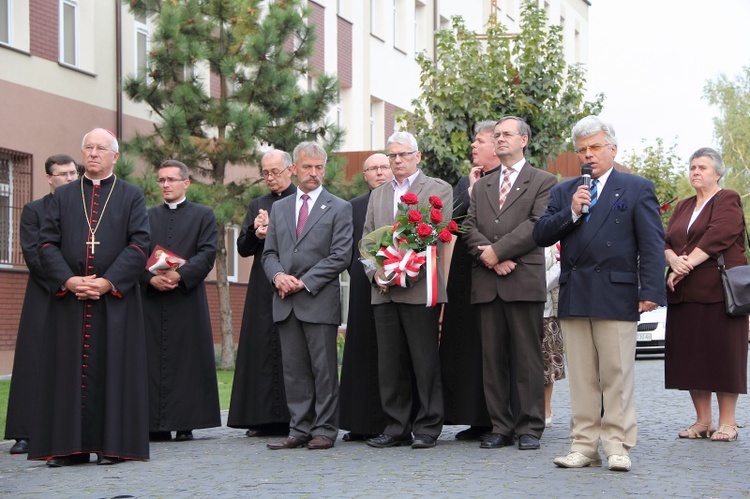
[594,197]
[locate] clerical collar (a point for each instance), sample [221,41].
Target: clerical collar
[493,170]
[291,189]
[98,181]
[173,206]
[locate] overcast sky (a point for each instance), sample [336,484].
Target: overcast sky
[652,58]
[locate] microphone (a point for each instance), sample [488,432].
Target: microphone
[586,172]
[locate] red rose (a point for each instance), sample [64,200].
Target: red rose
[445,236]
[409,198]
[452,227]
[436,202]
[424,231]
[414,217]
[436,216]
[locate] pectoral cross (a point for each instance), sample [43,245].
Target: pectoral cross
[93,243]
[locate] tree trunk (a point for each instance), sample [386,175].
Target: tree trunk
[225,308]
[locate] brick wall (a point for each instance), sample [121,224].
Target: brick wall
[317,19]
[13,287]
[344,62]
[44,28]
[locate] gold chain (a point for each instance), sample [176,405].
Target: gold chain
[86,212]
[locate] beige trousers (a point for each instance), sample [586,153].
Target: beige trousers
[601,361]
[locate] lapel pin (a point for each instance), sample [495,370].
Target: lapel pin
[617,195]
[322,207]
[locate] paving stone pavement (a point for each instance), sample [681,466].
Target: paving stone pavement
[222,462]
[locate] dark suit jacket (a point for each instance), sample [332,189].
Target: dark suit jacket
[380,214]
[605,259]
[718,229]
[508,231]
[321,253]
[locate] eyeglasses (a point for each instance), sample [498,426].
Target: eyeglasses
[89,148]
[595,148]
[504,135]
[382,168]
[162,181]
[72,174]
[273,173]
[401,155]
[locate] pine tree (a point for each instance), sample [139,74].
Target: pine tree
[256,52]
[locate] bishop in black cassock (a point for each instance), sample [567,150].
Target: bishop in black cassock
[183,393]
[258,401]
[93,393]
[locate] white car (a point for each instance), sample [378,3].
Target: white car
[651,332]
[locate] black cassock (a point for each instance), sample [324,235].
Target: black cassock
[460,338]
[26,358]
[92,391]
[182,389]
[258,395]
[360,409]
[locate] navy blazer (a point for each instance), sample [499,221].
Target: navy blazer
[613,260]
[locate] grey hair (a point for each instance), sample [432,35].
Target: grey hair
[311,149]
[286,158]
[713,155]
[169,163]
[403,138]
[114,146]
[523,127]
[591,125]
[484,126]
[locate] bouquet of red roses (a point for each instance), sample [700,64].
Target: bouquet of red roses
[408,249]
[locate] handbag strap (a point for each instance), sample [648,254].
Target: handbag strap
[720,259]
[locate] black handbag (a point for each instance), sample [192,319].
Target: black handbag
[736,284]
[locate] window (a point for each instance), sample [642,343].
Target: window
[141,45]
[6,16]
[15,192]
[230,238]
[69,32]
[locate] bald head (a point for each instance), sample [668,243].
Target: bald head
[377,170]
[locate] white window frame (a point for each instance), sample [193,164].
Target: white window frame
[141,29]
[233,257]
[8,21]
[76,24]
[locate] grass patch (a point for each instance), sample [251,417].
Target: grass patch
[4,389]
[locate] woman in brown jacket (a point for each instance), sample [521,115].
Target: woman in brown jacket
[706,350]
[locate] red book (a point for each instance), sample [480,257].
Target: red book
[163,259]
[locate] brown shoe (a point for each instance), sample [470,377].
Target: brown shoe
[289,442]
[320,442]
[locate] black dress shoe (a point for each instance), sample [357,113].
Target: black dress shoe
[160,436]
[384,440]
[268,430]
[20,447]
[422,441]
[528,442]
[354,437]
[473,433]
[183,436]
[107,460]
[496,441]
[73,459]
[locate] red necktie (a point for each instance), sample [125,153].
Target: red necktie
[505,186]
[303,212]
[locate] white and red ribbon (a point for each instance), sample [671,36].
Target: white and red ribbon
[405,264]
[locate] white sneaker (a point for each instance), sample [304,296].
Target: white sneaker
[576,460]
[618,463]
[548,421]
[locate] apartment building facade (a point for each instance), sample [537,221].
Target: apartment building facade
[62,63]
